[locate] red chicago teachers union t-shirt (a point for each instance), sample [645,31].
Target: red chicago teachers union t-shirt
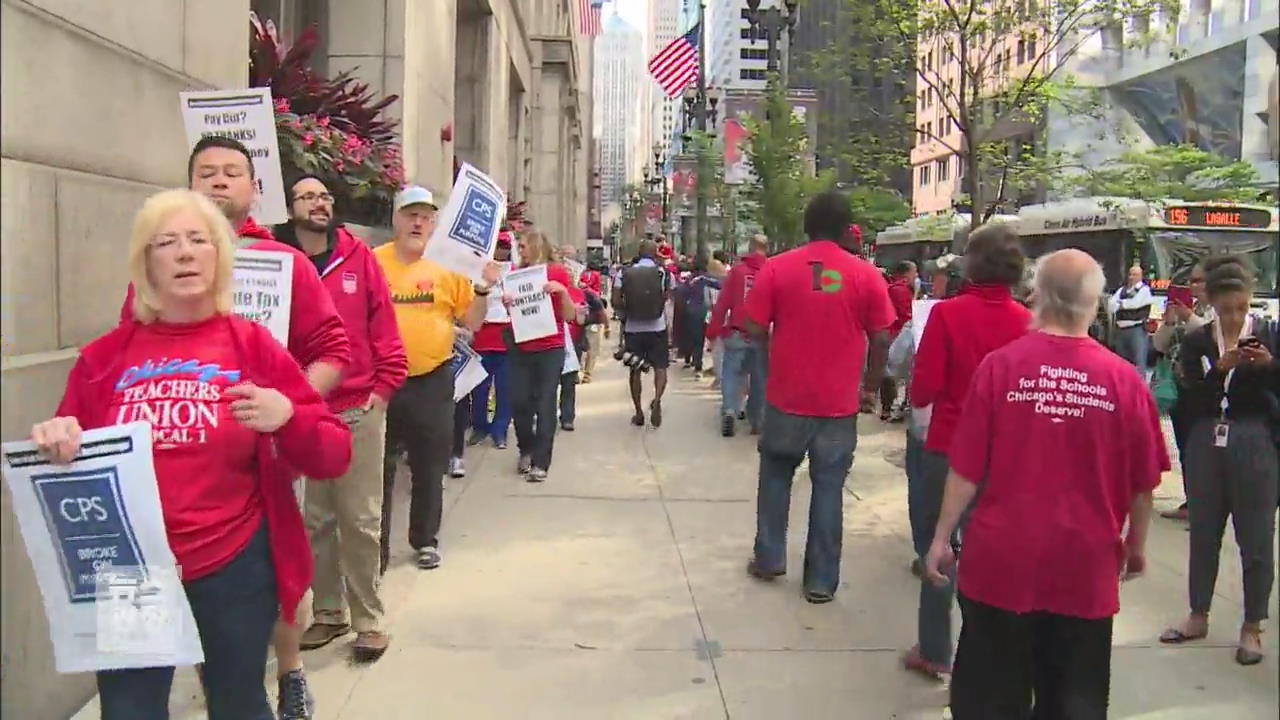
[822,301]
[1064,434]
[175,378]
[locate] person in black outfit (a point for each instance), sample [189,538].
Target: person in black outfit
[1231,382]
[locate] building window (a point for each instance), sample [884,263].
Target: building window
[751,74]
[924,175]
[1031,47]
[928,129]
[753,54]
[1022,51]
[944,169]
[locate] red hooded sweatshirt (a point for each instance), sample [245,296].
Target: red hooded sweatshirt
[360,293]
[315,330]
[901,294]
[730,312]
[217,480]
[591,281]
[961,331]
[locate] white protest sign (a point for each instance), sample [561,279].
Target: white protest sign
[246,115]
[262,287]
[532,315]
[920,310]
[571,362]
[95,534]
[495,311]
[467,231]
[468,371]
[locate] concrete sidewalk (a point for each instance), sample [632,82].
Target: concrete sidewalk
[617,590]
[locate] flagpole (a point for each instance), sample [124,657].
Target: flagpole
[701,222]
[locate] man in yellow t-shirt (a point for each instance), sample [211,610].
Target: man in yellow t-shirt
[427,299]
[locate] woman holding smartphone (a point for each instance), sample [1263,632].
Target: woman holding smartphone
[1231,382]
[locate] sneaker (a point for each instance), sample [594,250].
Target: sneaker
[697,376]
[912,660]
[742,414]
[536,475]
[638,419]
[457,468]
[1178,513]
[428,558]
[296,702]
[759,573]
[566,426]
[726,425]
[321,634]
[655,413]
[526,462]
[369,646]
[476,438]
[500,443]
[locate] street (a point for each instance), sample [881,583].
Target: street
[617,590]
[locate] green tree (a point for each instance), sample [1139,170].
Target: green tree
[784,182]
[972,99]
[876,208]
[1165,172]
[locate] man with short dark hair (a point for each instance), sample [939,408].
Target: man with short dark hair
[343,516]
[641,296]
[221,168]
[823,310]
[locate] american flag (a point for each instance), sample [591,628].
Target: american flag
[677,65]
[589,17]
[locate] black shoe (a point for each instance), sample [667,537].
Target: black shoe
[726,426]
[742,414]
[819,597]
[638,419]
[296,702]
[566,426]
[755,571]
[476,438]
[655,413]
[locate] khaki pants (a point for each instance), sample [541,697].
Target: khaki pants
[344,519]
[594,334]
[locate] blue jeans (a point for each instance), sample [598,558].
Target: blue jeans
[743,358]
[235,610]
[784,442]
[1133,344]
[925,486]
[496,365]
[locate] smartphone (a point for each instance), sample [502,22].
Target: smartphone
[1249,342]
[1181,295]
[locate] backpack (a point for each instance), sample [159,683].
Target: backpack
[643,295]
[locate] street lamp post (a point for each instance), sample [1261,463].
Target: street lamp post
[772,21]
[657,179]
[700,112]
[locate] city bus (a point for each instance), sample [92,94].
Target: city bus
[1166,238]
[924,238]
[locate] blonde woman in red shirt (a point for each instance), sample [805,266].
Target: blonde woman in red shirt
[225,473]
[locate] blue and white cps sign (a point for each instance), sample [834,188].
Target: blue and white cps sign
[467,233]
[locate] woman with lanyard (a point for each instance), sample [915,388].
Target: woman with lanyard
[1230,380]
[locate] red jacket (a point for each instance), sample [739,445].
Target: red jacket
[901,294]
[730,312]
[315,329]
[961,332]
[591,280]
[314,442]
[360,293]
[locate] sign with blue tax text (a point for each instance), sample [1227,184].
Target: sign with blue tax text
[467,230]
[247,115]
[468,371]
[95,535]
[262,290]
[532,315]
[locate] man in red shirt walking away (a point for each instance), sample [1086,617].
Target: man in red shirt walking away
[902,293]
[344,518]
[819,306]
[744,357]
[959,332]
[1065,439]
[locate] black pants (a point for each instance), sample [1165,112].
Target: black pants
[461,419]
[235,610]
[1182,418]
[1036,666]
[569,397]
[535,378]
[693,339]
[419,421]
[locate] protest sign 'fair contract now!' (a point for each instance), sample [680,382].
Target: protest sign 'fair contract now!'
[532,315]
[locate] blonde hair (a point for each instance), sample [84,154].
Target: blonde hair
[155,211]
[541,246]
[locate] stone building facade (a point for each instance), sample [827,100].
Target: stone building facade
[92,127]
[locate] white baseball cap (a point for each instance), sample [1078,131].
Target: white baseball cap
[415,195]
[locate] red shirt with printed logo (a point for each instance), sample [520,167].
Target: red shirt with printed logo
[205,461]
[1062,434]
[822,302]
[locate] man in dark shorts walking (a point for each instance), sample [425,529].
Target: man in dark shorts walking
[641,295]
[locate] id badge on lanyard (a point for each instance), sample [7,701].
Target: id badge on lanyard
[1222,430]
